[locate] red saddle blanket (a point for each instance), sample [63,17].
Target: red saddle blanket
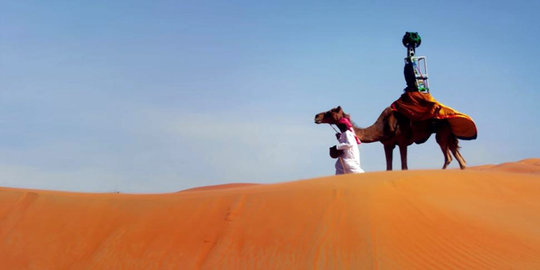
[422,106]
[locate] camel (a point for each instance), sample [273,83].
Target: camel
[393,128]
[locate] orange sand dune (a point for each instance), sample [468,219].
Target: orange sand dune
[484,218]
[530,165]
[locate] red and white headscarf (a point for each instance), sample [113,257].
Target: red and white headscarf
[345,121]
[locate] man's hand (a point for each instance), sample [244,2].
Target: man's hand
[334,152]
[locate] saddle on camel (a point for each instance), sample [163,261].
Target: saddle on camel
[413,117]
[417,104]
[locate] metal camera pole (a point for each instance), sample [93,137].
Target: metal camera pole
[415,71]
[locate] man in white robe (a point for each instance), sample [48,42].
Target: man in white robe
[349,160]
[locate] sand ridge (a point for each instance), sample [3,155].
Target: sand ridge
[482,218]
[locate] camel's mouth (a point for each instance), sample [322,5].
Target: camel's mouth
[319,118]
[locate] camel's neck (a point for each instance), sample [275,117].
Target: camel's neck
[367,135]
[375,132]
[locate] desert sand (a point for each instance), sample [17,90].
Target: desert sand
[485,217]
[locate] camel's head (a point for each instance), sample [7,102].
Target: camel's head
[330,117]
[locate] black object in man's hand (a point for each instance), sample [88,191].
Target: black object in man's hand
[334,152]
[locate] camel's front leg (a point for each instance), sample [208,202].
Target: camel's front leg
[388,149]
[403,153]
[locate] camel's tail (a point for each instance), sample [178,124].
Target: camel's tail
[453,142]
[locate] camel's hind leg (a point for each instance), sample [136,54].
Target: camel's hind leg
[454,147]
[442,138]
[447,156]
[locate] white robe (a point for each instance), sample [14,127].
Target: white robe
[349,161]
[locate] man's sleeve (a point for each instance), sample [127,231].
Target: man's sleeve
[348,142]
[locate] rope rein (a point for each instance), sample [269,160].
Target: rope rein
[334,128]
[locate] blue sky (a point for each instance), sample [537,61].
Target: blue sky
[159,96]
